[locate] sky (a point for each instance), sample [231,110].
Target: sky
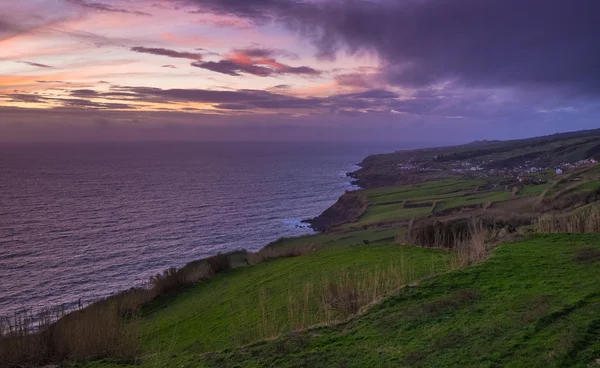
[382,70]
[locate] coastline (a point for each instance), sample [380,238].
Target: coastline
[428,207]
[348,207]
[75,305]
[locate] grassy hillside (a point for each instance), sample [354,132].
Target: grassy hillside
[535,303]
[252,303]
[490,158]
[228,310]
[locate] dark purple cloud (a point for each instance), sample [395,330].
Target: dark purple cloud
[257,52]
[7,28]
[371,94]
[106,7]
[247,98]
[167,52]
[37,65]
[233,68]
[493,43]
[298,70]
[84,93]
[83,103]
[233,106]
[83,98]
[254,62]
[25,97]
[258,10]
[243,99]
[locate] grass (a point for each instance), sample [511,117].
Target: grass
[532,304]
[392,212]
[401,203]
[533,190]
[337,239]
[250,303]
[589,186]
[425,190]
[473,200]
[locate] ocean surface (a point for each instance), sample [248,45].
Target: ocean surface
[83,221]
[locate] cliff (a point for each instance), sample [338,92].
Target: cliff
[348,208]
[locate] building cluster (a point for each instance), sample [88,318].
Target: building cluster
[519,172]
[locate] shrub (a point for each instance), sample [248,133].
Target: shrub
[342,295]
[218,263]
[168,281]
[466,238]
[436,234]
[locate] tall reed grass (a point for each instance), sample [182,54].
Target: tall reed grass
[473,247]
[467,238]
[324,300]
[582,220]
[51,337]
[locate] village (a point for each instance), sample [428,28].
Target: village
[529,172]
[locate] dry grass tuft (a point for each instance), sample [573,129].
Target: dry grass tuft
[327,300]
[468,239]
[472,248]
[583,220]
[52,337]
[351,290]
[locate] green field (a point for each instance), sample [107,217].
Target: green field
[227,310]
[418,191]
[473,200]
[390,204]
[590,186]
[533,304]
[392,212]
[533,190]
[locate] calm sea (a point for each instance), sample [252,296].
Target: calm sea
[83,221]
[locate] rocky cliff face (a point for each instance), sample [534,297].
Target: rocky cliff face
[348,208]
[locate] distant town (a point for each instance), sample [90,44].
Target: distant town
[523,173]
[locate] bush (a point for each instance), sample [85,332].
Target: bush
[218,263]
[437,234]
[168,281]
[468,238]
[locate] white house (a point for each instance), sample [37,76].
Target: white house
[559,171]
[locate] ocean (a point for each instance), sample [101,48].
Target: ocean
[81,221]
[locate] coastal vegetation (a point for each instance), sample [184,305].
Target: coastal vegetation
[428,265]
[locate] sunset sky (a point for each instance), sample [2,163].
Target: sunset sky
[425,70]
